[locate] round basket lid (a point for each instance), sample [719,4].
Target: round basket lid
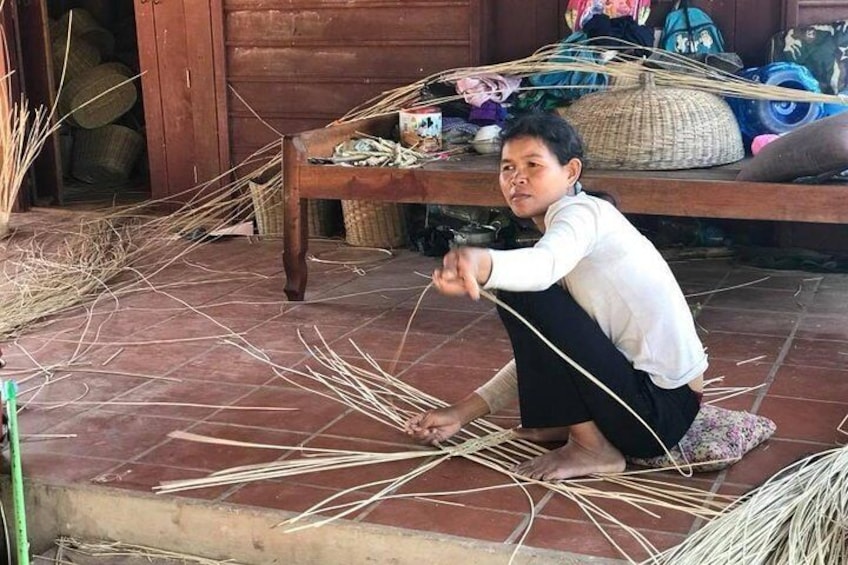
[648,127]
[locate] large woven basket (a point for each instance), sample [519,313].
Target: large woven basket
[112,101]
[87,28]
[373,224]
[268,208]
[82,56]
[107,154]
[325,217]
[648,127]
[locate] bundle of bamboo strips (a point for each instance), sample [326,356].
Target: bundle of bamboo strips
[68,547]
[377,394]
[676,70]
[800,515]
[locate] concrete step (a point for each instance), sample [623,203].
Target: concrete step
[246,534]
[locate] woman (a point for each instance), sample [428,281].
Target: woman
[597,289]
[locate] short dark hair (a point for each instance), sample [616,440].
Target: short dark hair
[558,135]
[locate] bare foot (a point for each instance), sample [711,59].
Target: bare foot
[573,460]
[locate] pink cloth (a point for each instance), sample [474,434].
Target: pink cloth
[761,141]
[479,89]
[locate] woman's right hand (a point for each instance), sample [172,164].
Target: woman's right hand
[463,270]
[434,426]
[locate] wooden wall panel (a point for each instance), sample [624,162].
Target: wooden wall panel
[370,25]
[299,64]
[520,27]
[403,64]
[806,12]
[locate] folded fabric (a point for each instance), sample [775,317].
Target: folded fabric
[716,439]
[486,87]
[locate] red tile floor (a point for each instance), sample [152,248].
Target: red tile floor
[168,344]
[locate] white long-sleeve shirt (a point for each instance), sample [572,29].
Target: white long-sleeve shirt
[618,277]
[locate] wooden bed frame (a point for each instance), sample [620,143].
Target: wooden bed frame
[472,180]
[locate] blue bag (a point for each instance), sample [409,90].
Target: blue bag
[575,83]
[690,31]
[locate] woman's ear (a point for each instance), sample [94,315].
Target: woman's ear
[573,169]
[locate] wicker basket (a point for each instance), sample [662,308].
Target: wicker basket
[87,28]
[374,224]
[112,101]
[647,127]
[267,207]
[107,154]
[82,56]
[324,217]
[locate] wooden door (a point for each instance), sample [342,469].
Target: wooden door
[36,73]
[180,44]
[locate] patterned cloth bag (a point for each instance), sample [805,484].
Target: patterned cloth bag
[821,48]
[579,12]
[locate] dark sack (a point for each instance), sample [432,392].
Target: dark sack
[821,48]
[690,31]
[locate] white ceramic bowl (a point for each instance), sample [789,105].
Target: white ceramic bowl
[487,140]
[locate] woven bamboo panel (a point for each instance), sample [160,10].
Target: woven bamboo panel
[374,224]
[107,154]
[100,84]
[647,127]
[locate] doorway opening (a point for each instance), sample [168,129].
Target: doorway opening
[102,144]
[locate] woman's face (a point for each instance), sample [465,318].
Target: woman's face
[532,178]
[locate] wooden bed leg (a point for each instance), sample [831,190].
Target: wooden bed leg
[295,227]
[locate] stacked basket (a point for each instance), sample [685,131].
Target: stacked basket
[94,95]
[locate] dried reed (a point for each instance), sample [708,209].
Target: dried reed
[109,253]
[677,71]
[23,133]
[800,515]
[116,550]
[375,393]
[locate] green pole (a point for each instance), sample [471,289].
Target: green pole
[10,394]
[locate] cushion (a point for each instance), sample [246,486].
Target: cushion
[819,149]
[716,439]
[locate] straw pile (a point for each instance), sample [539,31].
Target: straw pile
[113,252]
